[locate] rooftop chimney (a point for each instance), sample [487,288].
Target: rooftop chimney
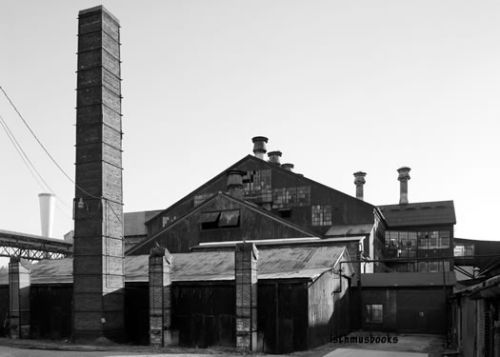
[235,183]
[359,181]
[288,166]
[274,157]
[259,146]
[46,213]
[404,176]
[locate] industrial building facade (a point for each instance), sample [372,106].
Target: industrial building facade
[260,257]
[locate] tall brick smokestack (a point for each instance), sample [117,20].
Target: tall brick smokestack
[403,177]
[98,242]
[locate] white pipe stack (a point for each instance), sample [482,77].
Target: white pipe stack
[46,213]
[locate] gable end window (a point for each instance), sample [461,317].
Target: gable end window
[321,215]
[219,219]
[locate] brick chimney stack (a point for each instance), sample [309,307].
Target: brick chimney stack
[274,157]
[288,166]
[359,181]
[235,183]
[246,256]
[99,280]
[404,176]
[259,146]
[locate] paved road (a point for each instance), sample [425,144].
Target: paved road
[19,352]
[351,352]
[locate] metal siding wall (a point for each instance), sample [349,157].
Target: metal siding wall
[204,314]
[51,311]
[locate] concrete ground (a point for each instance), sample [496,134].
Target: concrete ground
[406,346]
[354,352]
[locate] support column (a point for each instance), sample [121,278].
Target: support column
[19,299]
[245,273]
[160,301]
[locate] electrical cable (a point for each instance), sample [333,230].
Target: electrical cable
[29,164]
[51,157]
[26,160]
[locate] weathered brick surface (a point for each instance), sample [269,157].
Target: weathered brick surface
[98,247]
[245,271]
[160,265]
[19,300]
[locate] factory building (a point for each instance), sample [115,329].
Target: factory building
[260,257]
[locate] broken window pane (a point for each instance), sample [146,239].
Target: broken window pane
[229,218]
[321,215]
[209,217]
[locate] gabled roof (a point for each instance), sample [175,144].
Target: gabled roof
[300,230]
[419,214]
[265,163]
[277,263]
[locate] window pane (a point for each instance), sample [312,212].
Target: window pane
[229,218]
[208,217]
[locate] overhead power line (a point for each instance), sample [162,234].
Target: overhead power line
[24,157]
[51,157]
[29,164]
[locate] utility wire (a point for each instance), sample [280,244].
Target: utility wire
[26,160]
[34,135]
[29,164]
[51,157]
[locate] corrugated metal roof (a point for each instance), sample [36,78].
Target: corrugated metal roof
[407,279]
[275,263]
[419,214]
[349,230]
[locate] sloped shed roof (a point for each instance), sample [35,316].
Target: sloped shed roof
[419,214]
[276,263]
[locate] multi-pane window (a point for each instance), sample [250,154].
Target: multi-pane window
[257,181]
[406,244]
[434,240]
[321,215]
[430,244]
[286,197]
[461,250]
[374,313]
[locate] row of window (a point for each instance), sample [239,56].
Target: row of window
[462,250]
[406,244]
[291,197]
[321,216]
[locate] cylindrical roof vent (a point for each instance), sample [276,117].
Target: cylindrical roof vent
[259,146]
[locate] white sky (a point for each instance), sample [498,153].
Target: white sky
[338,86]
